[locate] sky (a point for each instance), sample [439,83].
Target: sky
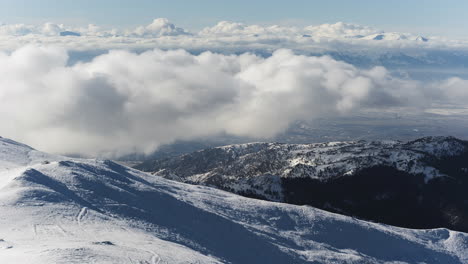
[431,17]
[150,73]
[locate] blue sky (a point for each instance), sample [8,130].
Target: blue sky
[432,17]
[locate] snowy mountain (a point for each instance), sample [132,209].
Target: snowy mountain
[395,36]
[69,33]
[418,184]
[61,210]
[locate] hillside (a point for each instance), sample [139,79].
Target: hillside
[416,184]
[61,210]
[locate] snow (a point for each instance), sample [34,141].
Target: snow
[91,211]
[256,169]
[438,146]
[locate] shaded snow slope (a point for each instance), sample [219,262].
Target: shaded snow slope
[61,210]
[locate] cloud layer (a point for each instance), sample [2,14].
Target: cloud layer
[124,102]
[224,36]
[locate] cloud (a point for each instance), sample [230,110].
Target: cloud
[225,36]
[341,30]
[16,30]
[227,28]
[454,90]
[45,30]
[123,102]
[159,27]
[338,30]
[51,29]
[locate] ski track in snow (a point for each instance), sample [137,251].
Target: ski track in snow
[160,221]
[155,258]
[83,212]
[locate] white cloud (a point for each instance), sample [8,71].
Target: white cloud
[226,28]
[159,27]
[51,29]
[454,90]
[16,29]
[123,102]
[229,36]
[341,30]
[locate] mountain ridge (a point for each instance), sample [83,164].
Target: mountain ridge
[57,209]
[428,169]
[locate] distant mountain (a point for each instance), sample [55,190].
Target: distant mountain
[433,60]
[70,33]
[395,36]
[60,210]
[417,184]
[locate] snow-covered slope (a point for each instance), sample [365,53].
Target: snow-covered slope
[61,210]
[241,166]
[424,177]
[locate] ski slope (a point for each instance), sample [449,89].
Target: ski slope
[61,210]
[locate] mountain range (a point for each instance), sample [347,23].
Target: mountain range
[57,209]
[415,184]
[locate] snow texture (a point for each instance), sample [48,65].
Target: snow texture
[257,168]
[61,210]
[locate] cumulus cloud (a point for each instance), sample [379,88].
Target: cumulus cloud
[123,102]
[16,29]
[51,29]
[227,28]
[159,27]
[47,29]
[336,31]
[231,36]
[341,29]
